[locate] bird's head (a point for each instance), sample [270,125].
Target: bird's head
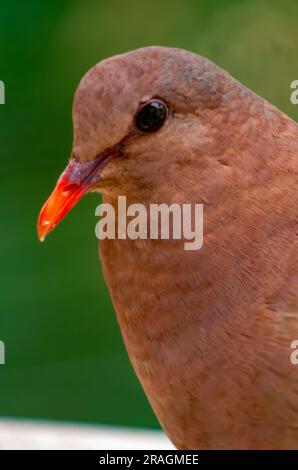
[140,120]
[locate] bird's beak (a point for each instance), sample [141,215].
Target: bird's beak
[74,182]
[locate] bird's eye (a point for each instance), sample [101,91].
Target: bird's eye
[151,116]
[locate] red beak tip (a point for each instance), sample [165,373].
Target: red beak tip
[43,230]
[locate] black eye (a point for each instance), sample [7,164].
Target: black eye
[151,116]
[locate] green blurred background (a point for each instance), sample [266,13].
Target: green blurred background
[65,358]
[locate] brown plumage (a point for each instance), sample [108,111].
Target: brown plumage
[208,332]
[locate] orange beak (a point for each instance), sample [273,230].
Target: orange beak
[77,179]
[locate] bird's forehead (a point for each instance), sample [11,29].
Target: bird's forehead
[106,101]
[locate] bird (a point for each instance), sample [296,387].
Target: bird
[208,331]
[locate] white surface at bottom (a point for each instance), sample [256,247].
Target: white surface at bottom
[23,435]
